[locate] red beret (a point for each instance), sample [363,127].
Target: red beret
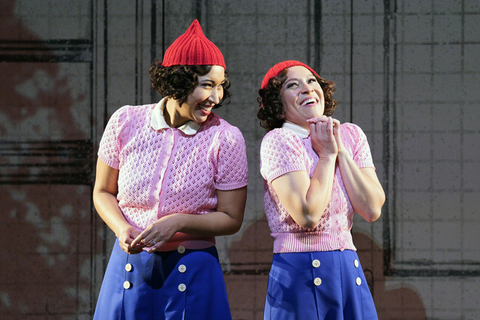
[279,67]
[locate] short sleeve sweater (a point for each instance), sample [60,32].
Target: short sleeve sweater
[166,171]
[283,151]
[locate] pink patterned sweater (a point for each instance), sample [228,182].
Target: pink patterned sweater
[284,151]
[166,171]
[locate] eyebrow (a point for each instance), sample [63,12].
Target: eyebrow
[290,80]
[206,81]
[211,81]
[297,79]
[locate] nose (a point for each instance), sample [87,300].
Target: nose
[306,88]
[216,96]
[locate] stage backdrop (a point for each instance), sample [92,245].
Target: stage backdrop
[407,72]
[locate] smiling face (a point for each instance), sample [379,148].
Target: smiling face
[302,96]
[198,106]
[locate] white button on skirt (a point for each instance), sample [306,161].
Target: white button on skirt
[310,285]
[163,285]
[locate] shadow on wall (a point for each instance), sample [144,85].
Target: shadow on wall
[396,304]
[250,260]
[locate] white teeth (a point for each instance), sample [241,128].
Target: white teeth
[206,108]
[308,101]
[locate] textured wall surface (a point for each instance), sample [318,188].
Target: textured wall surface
[407,72]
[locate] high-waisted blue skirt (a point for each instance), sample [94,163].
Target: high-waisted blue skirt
[176,285]
[327,285]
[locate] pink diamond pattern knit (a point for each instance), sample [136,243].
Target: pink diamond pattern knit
[166,171]
[283,151]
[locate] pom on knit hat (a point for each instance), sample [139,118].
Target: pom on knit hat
[279,67]
[193,48]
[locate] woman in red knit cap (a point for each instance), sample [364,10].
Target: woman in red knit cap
[317,173]
[170,177]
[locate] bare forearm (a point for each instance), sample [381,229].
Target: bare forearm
[210,224]
[306,198]
[365,192]
[106,205]
[320,190]
[226,220]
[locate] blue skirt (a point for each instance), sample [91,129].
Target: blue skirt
[327,285]
[176,285]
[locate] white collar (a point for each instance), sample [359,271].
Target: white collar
[158,121]
[295,128]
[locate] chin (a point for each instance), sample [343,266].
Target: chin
[201,120]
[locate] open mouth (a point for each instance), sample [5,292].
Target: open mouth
[206,109]
[308,102]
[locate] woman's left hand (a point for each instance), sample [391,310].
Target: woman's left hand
[336,130]
[158,233]
[337,135]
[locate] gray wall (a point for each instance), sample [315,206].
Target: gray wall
[407,72]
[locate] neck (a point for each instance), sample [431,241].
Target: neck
[171,115]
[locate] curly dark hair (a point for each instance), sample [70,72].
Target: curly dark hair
[178,82]
[272,112]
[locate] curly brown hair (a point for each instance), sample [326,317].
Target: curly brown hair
[178,82]
[272,112]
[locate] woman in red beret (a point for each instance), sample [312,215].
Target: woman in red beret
[170,177]
[317,173]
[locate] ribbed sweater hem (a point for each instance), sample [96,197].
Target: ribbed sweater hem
[312,241]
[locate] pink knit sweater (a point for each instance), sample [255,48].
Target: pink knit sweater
[166,171]
[284,151]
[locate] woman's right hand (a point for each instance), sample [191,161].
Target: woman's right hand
[125,239]
[323,140]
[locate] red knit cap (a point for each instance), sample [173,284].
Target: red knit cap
[193,48]
[279,67]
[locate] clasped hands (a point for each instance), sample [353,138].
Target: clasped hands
[151,239]
[325,136]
